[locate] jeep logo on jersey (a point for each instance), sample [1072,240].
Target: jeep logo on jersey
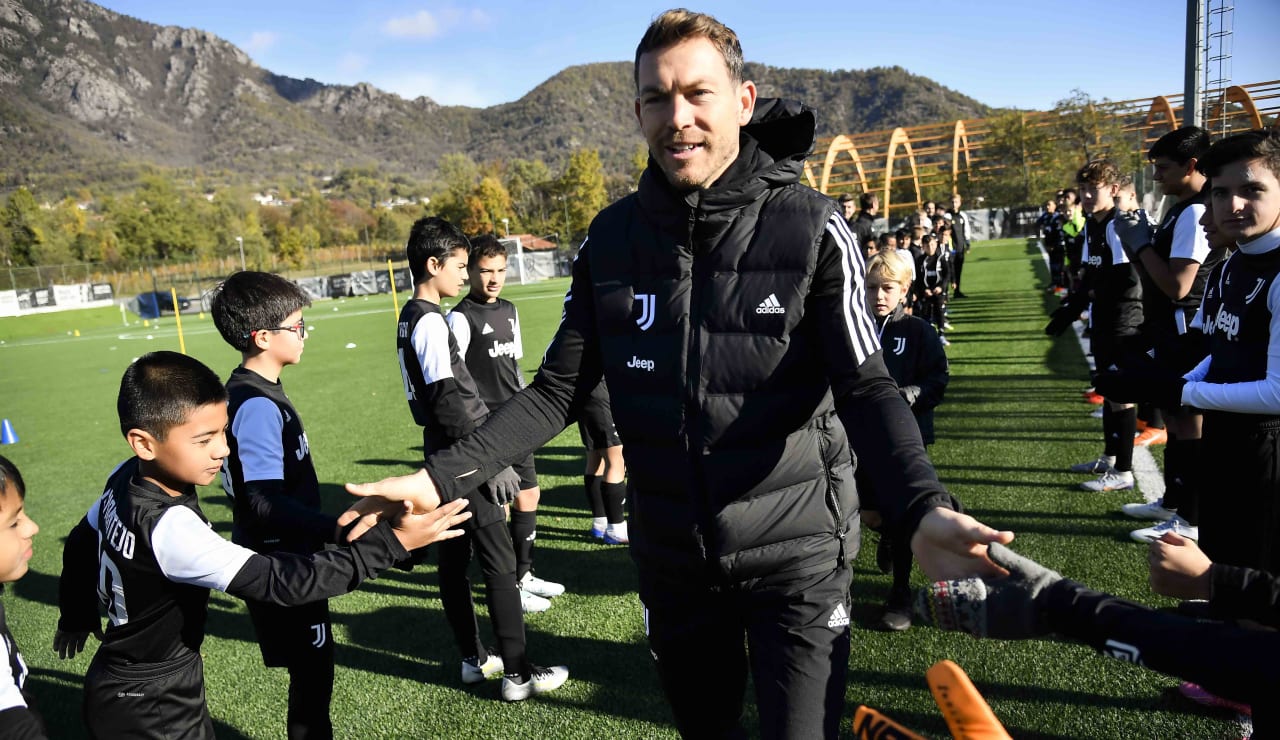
[304,448]
[1095,260]
[899,345]
[639,364]
[502,349]
[647,312]
[1226,322]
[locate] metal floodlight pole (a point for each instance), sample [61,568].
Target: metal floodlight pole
[1192,91]
[240,241]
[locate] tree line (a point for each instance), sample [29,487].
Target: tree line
[168,218]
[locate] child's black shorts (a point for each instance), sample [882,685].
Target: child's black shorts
[293,635]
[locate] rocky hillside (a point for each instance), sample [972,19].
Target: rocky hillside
[89,94]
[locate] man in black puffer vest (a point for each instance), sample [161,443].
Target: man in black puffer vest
[723,303]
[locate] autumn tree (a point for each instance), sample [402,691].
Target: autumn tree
[583,190]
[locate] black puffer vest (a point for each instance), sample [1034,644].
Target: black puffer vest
[738,467]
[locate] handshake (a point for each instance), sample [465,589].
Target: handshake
[1012,607]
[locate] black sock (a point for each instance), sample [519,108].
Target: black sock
[1152,415]
[595,499]
[1181,461]
[1126,424]
[615,496]
[310,693]
[524,529]
[1108,430]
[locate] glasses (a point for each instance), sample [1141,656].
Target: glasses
[299,328]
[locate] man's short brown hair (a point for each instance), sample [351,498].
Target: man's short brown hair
[679,24]
[1099,172]
[1261,144]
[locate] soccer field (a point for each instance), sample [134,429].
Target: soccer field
[1011,423]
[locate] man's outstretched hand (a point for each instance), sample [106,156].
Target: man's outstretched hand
[387,498]
[950,545]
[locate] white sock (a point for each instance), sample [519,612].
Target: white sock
[598,522]
[618,530]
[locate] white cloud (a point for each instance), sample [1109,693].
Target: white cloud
[351,64]
[260,41]
[425,25]
[421,25]
[451,90]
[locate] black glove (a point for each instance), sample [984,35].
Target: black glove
[1009,608]
[502,488]
[1120,386]
[1134,231]
[1061,320]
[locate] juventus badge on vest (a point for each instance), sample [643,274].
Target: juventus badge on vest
[647,312]
[899,345]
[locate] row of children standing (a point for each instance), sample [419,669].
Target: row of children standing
[149,536]
[907,291]
[934,242]
[1185,317]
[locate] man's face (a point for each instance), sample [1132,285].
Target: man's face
[1173,178]
[488,275]
[1097,198]
[955,202]
[690,110]
[16,531]
[1215,238]
[850,208]
[1246,200]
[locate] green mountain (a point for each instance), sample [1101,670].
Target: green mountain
[89,96]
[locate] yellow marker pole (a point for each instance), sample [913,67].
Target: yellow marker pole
[177,315]
[395,302]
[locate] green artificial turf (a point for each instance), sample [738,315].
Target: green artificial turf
[1011,423]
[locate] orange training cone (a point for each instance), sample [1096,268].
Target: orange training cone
[7,435]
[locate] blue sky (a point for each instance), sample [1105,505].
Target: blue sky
[1020,53]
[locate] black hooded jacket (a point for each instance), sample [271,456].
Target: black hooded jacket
[730,324]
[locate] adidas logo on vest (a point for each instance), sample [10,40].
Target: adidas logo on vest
[839,617]
[770,305]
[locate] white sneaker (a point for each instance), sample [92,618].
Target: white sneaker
[1149,510]
[1112,480]
[1175,524]
[538,587]
[1096,413]
[946,326]
[1097,467]
[945,342]
[472,673]
[532,603]
[541,681]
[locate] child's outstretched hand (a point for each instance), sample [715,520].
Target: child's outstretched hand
[69,644]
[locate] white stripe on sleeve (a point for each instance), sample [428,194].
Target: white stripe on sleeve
[1189,241]
[862,334]
[461,329]
[257,429]
[431,342]
[189,551]
[10,691]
